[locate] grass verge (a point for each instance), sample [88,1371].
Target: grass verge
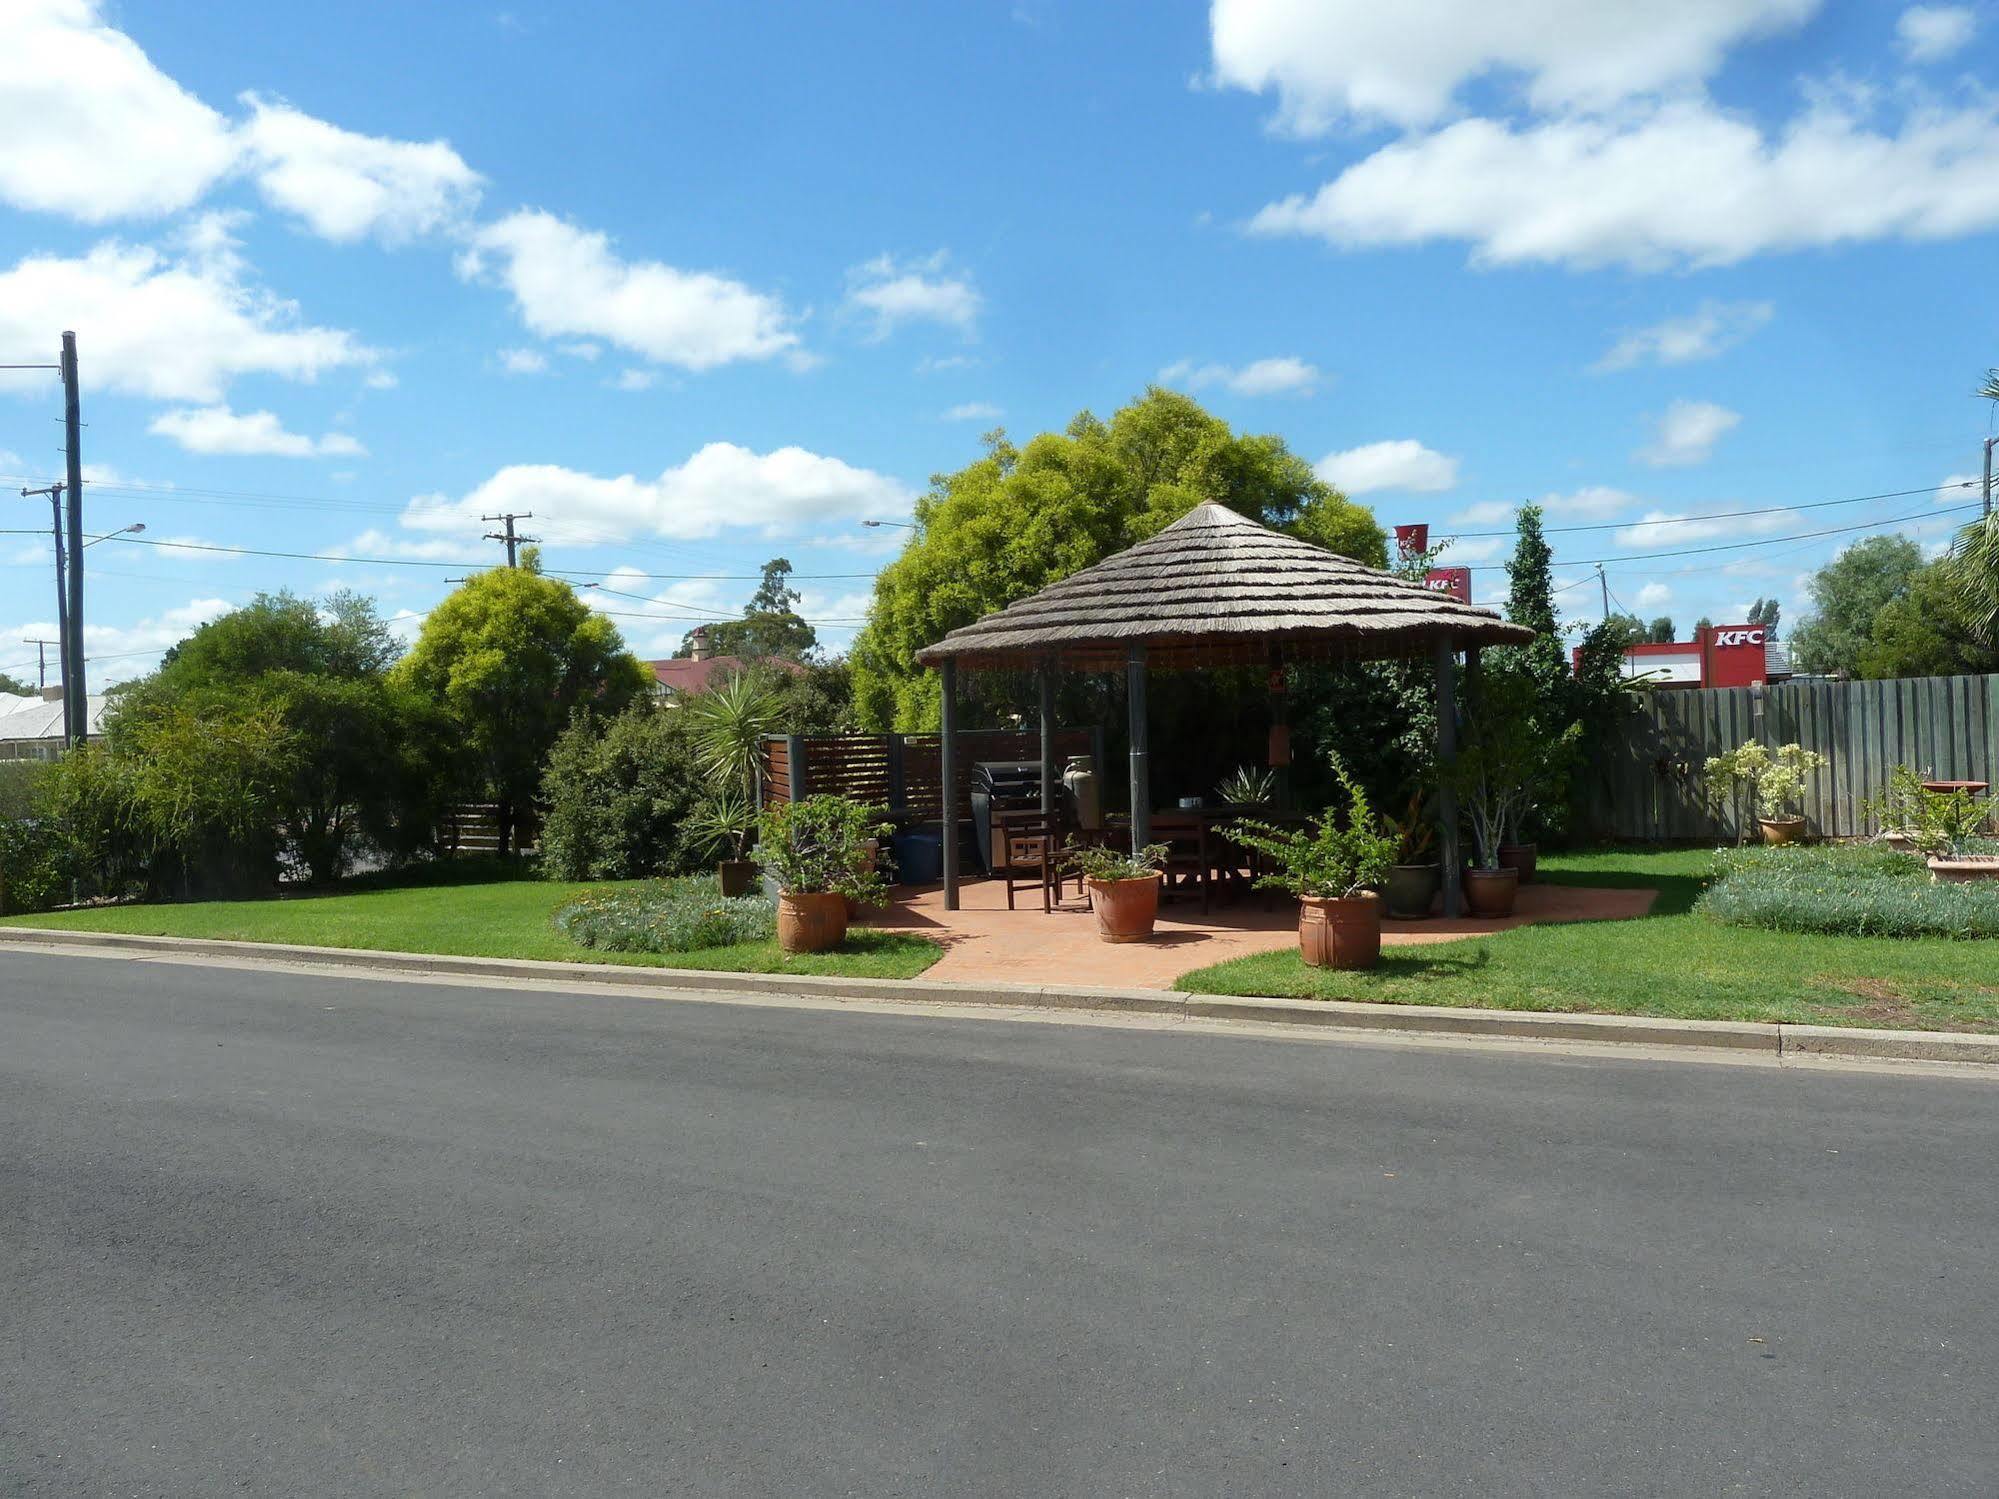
[494,919]
[1671,963]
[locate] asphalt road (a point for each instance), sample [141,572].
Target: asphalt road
[276,1234]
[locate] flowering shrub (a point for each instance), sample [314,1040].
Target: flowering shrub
[1848,891]
[678,915]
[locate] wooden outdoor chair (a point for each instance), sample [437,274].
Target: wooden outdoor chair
[1032,858]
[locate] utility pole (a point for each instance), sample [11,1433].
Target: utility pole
[54,493]
[76,697]
[508,536]
[1988,475]
[42,659]
[1603,583]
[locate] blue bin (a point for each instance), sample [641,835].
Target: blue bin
[919,856]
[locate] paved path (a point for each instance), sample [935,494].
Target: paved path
[985,943]
[282,1234]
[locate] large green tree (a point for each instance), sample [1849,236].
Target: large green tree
[1530,590]
[14,686]
[510,656]
[1018,518]
[770,628]
[1847,595]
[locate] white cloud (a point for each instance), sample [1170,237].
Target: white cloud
[974,411]
[1591,502]
[173,329]
[89,127]
[1929,33]
[344,186]
[1678,528]
[894,292]
[1654,596]
[1402,463]
[1959,489]
[1472,553]
[377,543]
[1332,61]
[1686,432]
[123,651]
[719,488]
[634,380]
[1485,513]
[567,282]
[1712,328]
[523,361]
[932,365]
[218,430]
[1283,375]
[380,380]
[1678,183]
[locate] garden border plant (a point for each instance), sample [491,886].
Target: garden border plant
[1334,871]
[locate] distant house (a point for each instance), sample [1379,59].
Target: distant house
[683,676]
[31,727]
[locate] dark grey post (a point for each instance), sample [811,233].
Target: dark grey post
[76,701]
[947,758]
[1447,793]
[1141,773]
[1045,680]
[794,768]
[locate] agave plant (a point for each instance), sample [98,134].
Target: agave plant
[1247,786]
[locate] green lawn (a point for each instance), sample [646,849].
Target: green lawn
[490,919]
[1669,963]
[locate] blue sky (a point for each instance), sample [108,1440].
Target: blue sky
[701,284]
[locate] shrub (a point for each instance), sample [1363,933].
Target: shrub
[1846,890]
[619,797]
[820,846]
[1326,861]
[1106,865]
[35,865]
[1772,782]
[679,915]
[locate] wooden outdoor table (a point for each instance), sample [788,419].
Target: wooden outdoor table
[1200,826]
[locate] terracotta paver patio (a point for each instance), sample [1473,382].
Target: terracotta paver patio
[984,942]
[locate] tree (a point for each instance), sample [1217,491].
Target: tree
[1764,613]
[1530,597]
[510,656]
[14,687]
[1847,593]
[621,796]
[1018,518]
[1625,629]
[1702,626]
[1925,633]
[1660,631]
[770,626]
[1973,573]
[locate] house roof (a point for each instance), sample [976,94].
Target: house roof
[41,718]
[1217,588]
[683,675]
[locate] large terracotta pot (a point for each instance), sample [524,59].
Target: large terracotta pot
[1411,889]
[1344,933]
[1957,871]
[1491,892]
[1126,909]
[1781,829]
[811,923]
[739,876]
[1520,856]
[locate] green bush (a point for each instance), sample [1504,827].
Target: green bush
[1846,890]
[680,915]
[618,798]
[35,865]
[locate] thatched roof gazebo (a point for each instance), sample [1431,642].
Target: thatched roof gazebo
[1213,589]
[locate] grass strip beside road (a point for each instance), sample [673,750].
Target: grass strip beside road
[1670,963]
[496,919]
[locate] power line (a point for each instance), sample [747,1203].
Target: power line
[1733,546]
[1685,520]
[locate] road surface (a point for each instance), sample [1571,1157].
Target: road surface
[275,1233]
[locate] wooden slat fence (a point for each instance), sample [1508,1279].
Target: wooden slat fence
[1647,781]
[900,771]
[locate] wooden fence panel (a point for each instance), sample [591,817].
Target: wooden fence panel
[1650,786]
[902,771]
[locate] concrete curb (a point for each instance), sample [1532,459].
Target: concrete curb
[1776,1040]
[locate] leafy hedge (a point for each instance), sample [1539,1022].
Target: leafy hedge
[1846,890]
[680,915]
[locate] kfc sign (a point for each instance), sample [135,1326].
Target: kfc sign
[1749,636]
[1456,581]
[1412,541]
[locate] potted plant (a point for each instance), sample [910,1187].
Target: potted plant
[1946,827]
[1773,783]
[1124,888]
[1247,786]
[730,724]
[1415,876]
[1330,867]
[816,852]
[1505,758]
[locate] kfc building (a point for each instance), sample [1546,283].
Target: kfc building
[1718,656]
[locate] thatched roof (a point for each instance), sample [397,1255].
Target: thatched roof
[1216,588]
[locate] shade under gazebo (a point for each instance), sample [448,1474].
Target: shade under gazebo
[1215,588]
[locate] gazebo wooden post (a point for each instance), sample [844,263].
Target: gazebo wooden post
[1447,791]
[1141,771]
[947,759]
[1045,680]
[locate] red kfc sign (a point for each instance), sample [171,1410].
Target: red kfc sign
[1456,581]
[1745,635]
[1412,541]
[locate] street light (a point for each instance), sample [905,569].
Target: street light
[134,529]
[902,525]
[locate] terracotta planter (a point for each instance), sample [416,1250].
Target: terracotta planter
[739,876]
[1491,892]
[1343,933]
[1126,909]
[1520,856]
[1782,829]
[811,923]
[1410,890]
[1959,871]
[1899,840]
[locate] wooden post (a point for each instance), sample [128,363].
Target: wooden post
[1141,772]
[1447,793]
[1045,679]
[947,758]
